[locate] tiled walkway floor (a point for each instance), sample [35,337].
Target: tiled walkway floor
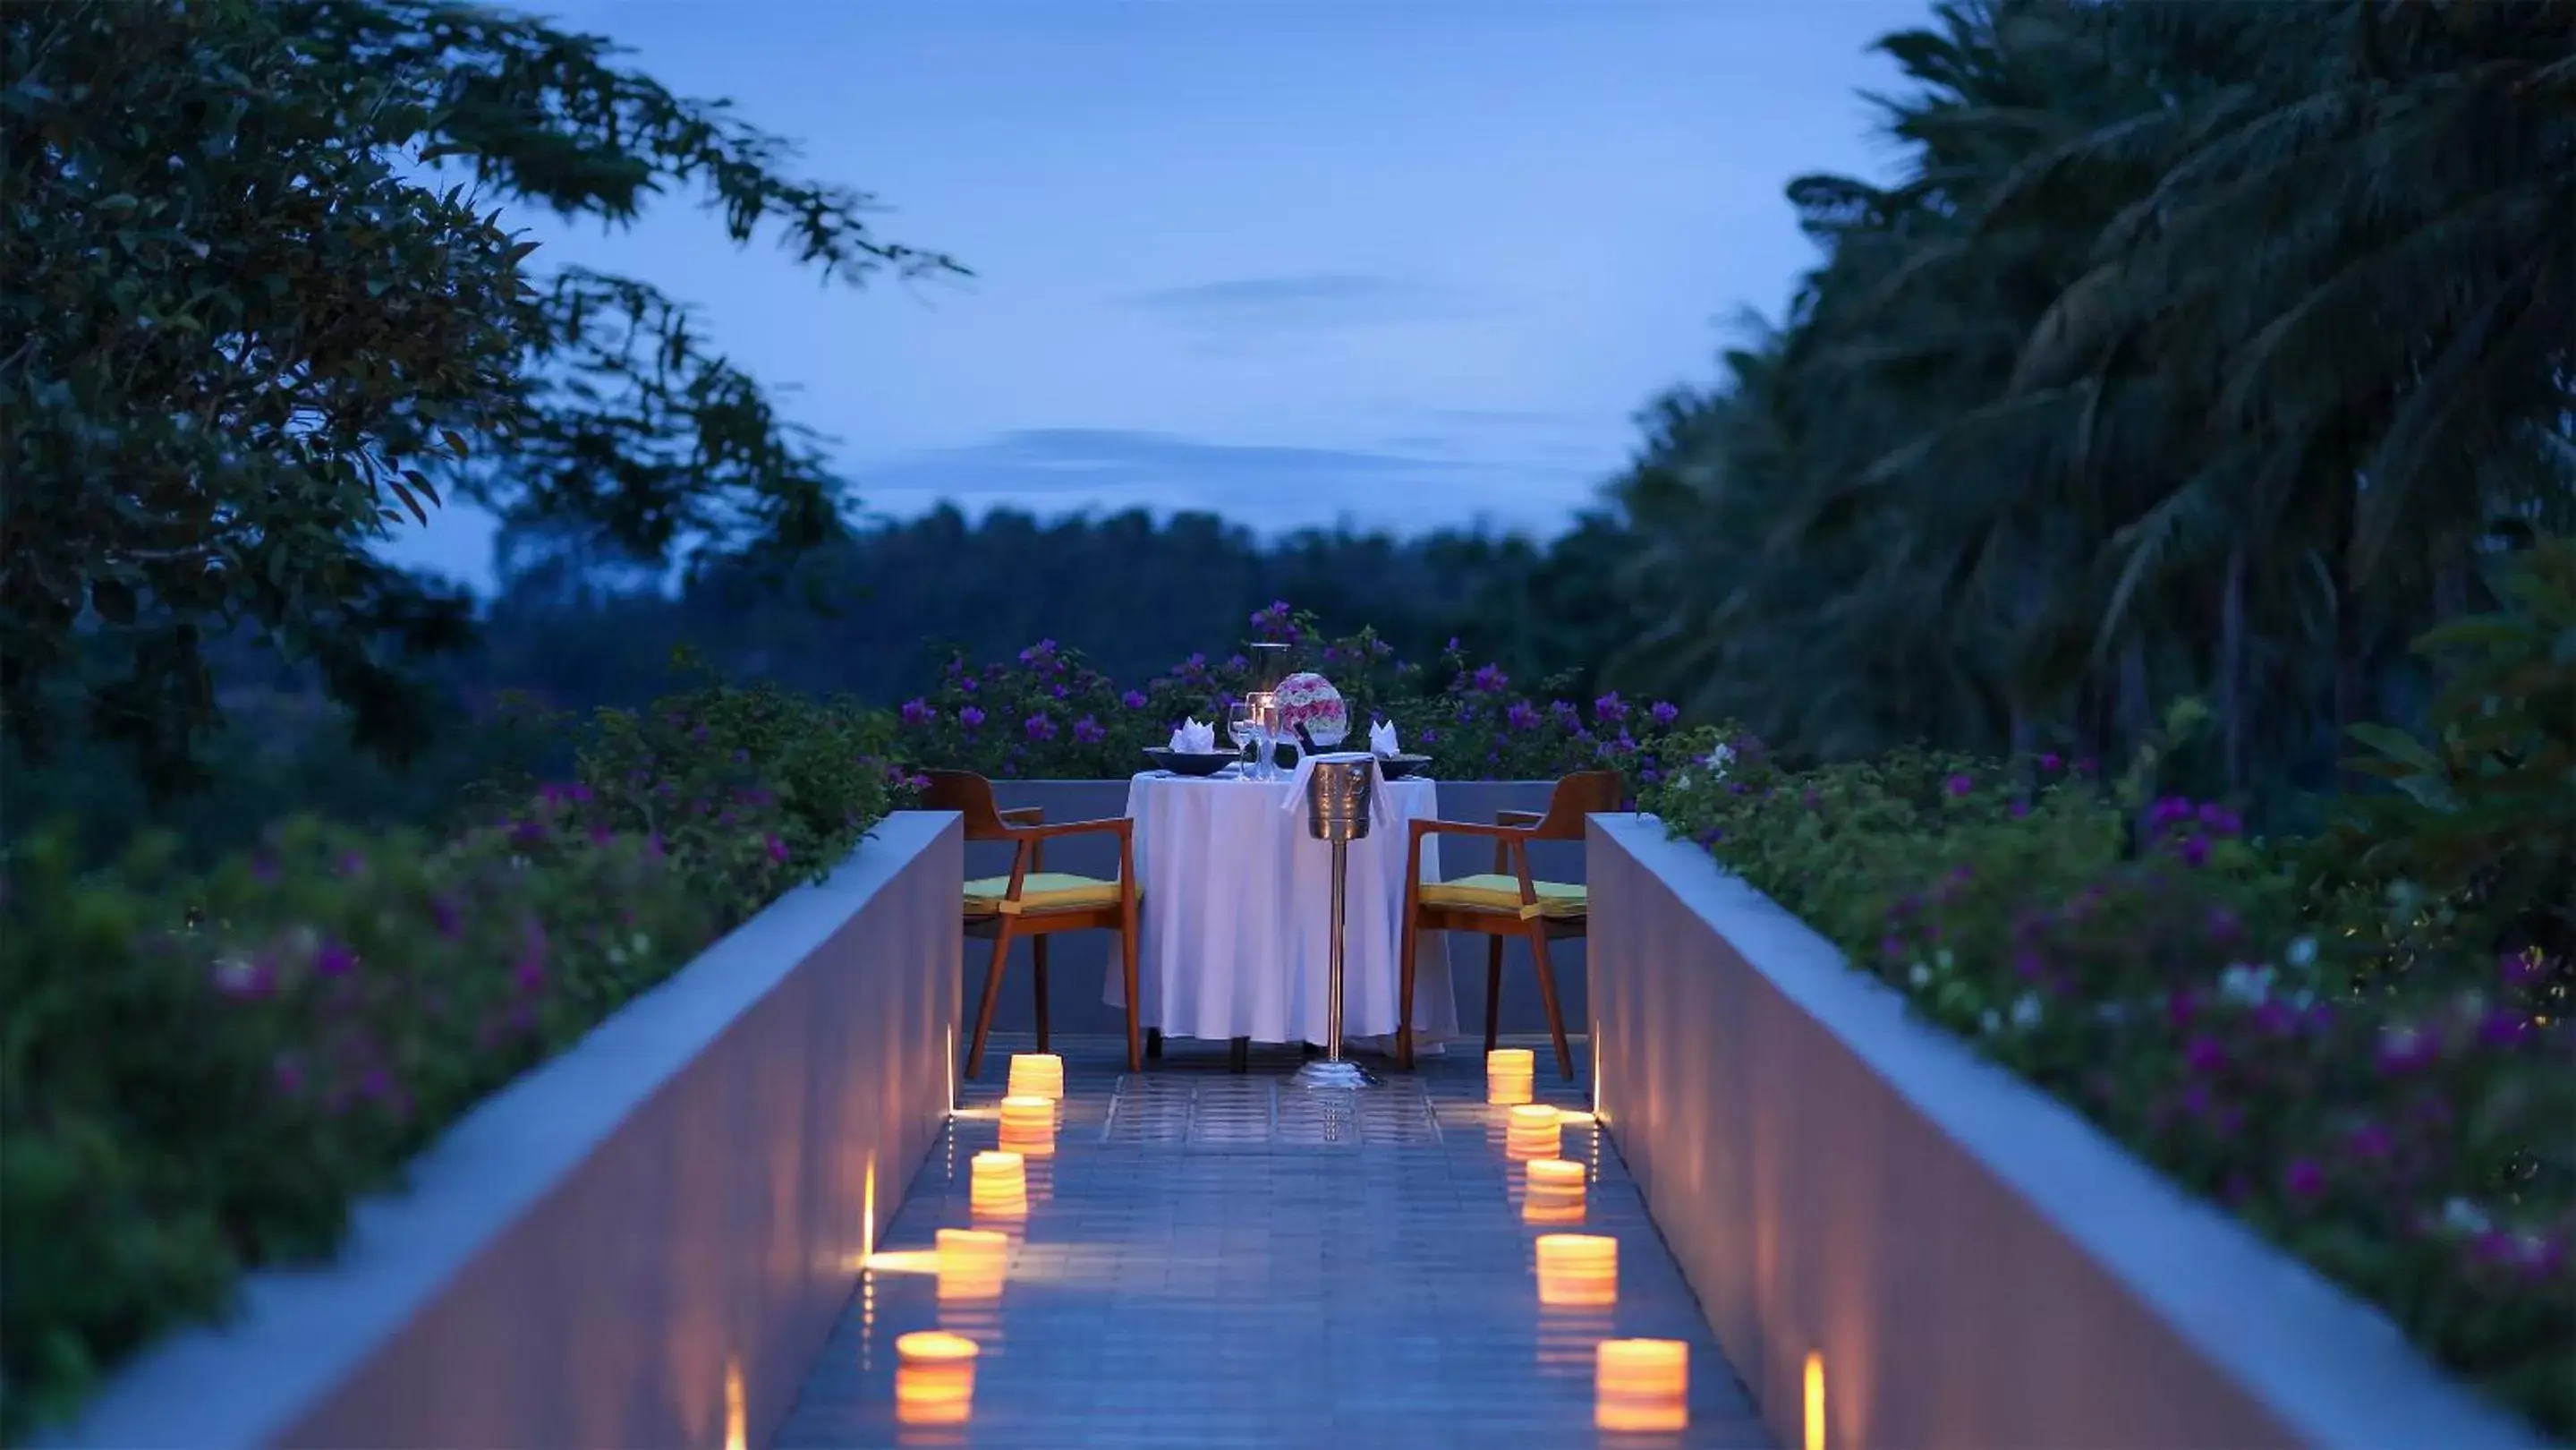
[1213,1260]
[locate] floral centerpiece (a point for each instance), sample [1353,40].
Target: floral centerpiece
[1309,700]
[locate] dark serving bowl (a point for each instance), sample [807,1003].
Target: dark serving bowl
[1397,767]
[1181,762]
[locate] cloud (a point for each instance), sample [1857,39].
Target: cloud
[1266,486]
[1305,300]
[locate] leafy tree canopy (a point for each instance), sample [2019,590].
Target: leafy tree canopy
[250,333]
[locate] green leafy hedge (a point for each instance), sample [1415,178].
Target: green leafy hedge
[2360,1045]
[203,1070]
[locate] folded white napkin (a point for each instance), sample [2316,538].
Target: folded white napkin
[1193,738]
[1382,739]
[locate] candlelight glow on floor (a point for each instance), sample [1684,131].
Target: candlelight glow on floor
[1000,1187]
[1533,1132]
[1815,1402]
[934,1378]
[737,1433]
[971,1263]
[1037,1075]
[1578,1271]
[1642,1386]
[1556,1192]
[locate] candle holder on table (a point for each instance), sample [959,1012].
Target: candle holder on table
[1339,793]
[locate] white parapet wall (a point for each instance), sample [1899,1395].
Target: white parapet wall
[1975,1266]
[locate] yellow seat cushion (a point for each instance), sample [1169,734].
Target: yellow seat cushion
[1496,892]
[1041,891]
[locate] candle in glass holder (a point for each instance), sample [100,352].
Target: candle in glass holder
[1533,1133]
[1000,1186]
[1555,1192]
[1578,1271]
[1507,1075]
[972,1263]
[934,1378]
[1641,1386]
[1037,1075]
[1028,1126]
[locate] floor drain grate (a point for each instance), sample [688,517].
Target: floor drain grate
[1245,1112]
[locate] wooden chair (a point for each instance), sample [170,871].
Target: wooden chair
[1506,903]
[1036,903]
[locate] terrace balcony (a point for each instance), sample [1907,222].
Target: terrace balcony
[713,1222]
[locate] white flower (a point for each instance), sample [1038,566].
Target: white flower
[1921,976]
[2026,1011]
[1989,1023]
[2245,986]
[2303,951]
[1944,960]
[2461,1216]
[1719,759]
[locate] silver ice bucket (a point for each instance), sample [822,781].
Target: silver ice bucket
[1338,796]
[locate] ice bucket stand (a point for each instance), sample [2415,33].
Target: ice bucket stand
[1339,792]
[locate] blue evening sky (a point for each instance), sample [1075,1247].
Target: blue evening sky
[1400,263]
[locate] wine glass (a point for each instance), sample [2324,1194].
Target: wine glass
[1243,723]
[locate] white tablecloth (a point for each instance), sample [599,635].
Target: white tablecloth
[1238,915]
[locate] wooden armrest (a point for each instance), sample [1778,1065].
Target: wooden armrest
[1469,828]
[1519,818]
[1025,815]
[1112,826]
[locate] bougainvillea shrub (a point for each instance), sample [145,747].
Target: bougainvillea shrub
[1048,715]
[2145,960]
[202,1071]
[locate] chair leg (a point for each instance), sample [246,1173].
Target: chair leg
[1038,980]
[1405,952]
[992,998]
[1238,1055]
[1547,994]
[1493,991]
[1153,1043]
[1135,1008]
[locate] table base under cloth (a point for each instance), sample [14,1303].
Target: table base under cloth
[1238,916]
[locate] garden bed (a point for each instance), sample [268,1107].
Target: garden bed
[653,1231]
[1974,1264]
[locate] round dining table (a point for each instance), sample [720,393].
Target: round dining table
[1238,913]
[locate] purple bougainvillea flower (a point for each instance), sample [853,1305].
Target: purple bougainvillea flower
[1665,712]
[1133,699]
[2204,1053]
[1089,731]
[443,914]
[2524,969]
[1489,679]
[917,711]
[599,833]
[2304,1179]
[334,959]
[2276,1018]
[2369,1140]
[1522,716]
[250,981]
[1237,662]
[2503,1028]
[1709,838]
[968,685]
[1039,727]
[1610,707]
[1891,946]
[1962,784]
[653,844]
[2404,1049]
[777,849]
[2195,851]
[700,734]
[970,717]
[2019,809]
[288,1075]
[2050,761]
